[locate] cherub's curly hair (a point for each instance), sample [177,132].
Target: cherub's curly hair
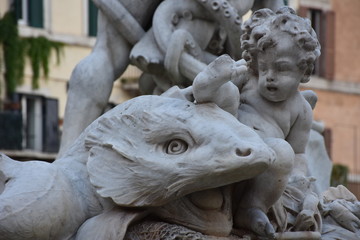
[259,30]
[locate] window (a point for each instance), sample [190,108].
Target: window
[315,17]
[323,22]
[92,19]
[33,122]
[30,12]
[40,123]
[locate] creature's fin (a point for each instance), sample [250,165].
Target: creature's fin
[109,225]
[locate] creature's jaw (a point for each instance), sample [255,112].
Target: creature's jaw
[208,211]
[232,165]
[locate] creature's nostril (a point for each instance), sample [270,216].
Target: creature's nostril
[243,153]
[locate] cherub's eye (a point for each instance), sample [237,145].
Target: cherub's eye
[262,67]
[176,146]
[283,67]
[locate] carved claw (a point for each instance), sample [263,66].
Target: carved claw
[255,220]
[307,221]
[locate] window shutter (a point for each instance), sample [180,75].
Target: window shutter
[303,11]
[11,130]
[18,9]
[92,21]
[328,48]
[51,139]
[36,13]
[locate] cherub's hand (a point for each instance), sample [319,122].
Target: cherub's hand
[239,73]
[215,83]
[224,69]
[220,71]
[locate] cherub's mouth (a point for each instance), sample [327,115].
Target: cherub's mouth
[272,89]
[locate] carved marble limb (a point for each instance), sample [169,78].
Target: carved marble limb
[227,17]
[169,16]
[91,83]
[256,199]
[180,41]
[214,84]
[119,26]
[123,20]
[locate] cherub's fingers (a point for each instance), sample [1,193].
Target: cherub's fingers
[240,69]
[240,66]
[240,62]
[238,74]
[222,62]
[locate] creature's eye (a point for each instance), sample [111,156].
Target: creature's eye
[176,146]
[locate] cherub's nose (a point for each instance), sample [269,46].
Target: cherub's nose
[270,78]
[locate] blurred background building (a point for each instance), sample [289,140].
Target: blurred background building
[336,79]
[31,118]
[34,116]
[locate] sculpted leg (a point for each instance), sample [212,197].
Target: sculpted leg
[263,191]
[92,80]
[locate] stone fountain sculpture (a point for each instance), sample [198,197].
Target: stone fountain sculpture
[221,159]
[184,37]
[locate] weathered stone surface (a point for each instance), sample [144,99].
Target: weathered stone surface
[221,159]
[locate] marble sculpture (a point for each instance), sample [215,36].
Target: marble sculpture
[224,158]
[183,38]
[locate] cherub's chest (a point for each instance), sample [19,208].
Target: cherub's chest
[267,118]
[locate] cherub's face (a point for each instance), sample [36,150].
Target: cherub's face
[279,74]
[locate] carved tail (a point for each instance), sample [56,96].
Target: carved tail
[37,201]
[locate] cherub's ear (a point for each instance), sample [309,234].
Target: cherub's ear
[308,73]
[305,79]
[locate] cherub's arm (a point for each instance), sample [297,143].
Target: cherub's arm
[298,138]
[214,83]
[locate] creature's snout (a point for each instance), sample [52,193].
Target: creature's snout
[252,151]
[243,152]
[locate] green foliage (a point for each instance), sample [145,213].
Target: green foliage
[16,49]
[339,175]
[39,51]
[14,52]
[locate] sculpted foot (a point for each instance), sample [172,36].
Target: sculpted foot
[255,220]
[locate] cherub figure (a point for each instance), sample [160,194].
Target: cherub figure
[280,50]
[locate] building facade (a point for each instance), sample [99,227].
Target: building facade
[336,79]
[72,23]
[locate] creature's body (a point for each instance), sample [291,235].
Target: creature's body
[167,148]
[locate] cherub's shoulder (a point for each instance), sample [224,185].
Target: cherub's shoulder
[247,83]
[303,106]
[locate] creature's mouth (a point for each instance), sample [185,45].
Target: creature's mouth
[202,211]
[211,199]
